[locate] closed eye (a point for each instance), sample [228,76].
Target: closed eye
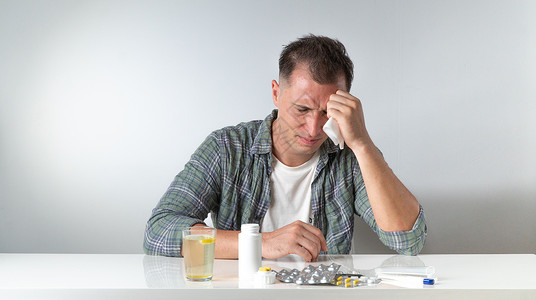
[302,108]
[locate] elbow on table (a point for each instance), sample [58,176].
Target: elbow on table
[156,242]
[406,242]
[412,250]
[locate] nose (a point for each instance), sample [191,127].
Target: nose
[315,124]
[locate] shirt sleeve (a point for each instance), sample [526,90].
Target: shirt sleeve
[404,242]
[191,196]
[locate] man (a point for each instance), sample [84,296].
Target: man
[286,175]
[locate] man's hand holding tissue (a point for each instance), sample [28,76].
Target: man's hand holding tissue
[394,207]
[348,112]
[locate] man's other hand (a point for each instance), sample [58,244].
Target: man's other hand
[298,238]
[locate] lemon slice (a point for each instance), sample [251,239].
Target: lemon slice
[209,240]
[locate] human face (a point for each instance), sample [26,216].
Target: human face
[297,132]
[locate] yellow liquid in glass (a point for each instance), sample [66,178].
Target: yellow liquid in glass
[198,252]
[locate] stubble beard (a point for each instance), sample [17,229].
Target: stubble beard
[288,139]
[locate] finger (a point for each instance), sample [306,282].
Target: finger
[335,105]
[338,110]
[298,250]
[304,236]
[317,236]
[346,95]
[349,100]
[318,233]
[311,245]
[276,246]
[339,98]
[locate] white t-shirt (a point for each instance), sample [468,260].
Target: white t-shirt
[291,194]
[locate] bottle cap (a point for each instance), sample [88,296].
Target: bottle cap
[250,228]
[428,281]
[265,277]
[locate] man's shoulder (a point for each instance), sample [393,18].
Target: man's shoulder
[241,135]
[241,130]
[252,137]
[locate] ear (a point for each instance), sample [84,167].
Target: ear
[275,92]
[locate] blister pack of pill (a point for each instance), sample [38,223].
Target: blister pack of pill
[321,274]
[349,280]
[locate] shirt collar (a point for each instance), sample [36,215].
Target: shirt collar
[263,140]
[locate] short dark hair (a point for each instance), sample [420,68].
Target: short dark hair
[326,57]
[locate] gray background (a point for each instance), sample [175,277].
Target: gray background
[103,102]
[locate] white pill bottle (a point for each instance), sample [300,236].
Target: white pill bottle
[249,251]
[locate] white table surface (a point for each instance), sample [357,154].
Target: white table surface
[132,276]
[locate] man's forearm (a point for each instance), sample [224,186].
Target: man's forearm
[298,238]
[394,207]
[226,243]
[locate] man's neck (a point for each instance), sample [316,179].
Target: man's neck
[290,160]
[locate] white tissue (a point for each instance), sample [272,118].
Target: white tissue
[331,128]
[418,271]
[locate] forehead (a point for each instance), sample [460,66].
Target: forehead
[301,88]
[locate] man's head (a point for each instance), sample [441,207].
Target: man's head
[326,59]
[311,70]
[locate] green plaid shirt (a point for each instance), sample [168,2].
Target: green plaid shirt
[229,176]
